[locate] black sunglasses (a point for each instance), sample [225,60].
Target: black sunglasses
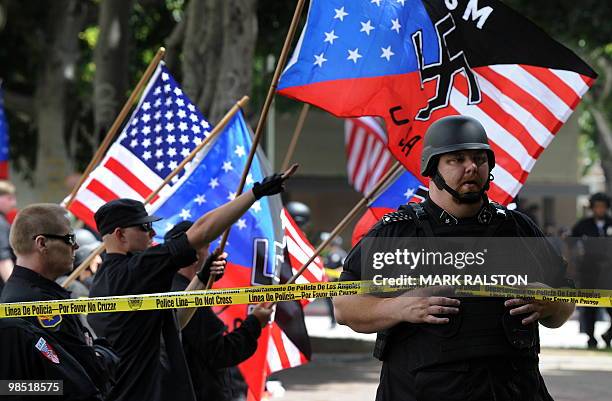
[146,227]
[69,239]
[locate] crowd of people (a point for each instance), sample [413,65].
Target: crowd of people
[430,345]
[180,354]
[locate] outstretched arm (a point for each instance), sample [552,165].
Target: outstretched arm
[215,222]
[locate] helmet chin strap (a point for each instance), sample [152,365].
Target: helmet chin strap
[467,198]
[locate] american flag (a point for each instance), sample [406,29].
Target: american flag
[415,61]
[163,129]
[367,156]
[289,344]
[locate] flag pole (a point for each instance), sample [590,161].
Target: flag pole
[280,65]
[110,135]
[349,217]
[213,134]
[296,134]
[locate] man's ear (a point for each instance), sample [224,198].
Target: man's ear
[40,243]
[118,234]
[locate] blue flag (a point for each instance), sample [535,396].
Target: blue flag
[255,239]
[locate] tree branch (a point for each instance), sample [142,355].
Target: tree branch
[173,45]
[603,127]
[606,75]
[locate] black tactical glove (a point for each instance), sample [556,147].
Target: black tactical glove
[204,273]
[270,185]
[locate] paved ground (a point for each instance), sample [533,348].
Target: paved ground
[571,375]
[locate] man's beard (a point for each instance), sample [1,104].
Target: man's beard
[468,198]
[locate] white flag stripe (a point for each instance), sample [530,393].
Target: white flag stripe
[300,279]
[495,132]
[573,80]
[293,233]
[535,88]
[91,200]
[135,165]
[505,180]
[293,353]
[115,184]
[302,257]
[354,151]
[380,168]
[367,162]
[535,128]
[273,357]
[363,169]
[375,127]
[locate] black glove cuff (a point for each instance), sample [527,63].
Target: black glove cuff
[204,273]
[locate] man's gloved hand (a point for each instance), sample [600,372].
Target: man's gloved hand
[214,265]
[263,313]
[272,184]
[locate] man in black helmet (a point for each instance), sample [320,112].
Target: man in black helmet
[441,348]
[593,262]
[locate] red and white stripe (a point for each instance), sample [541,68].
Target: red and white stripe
[522,108]
[114,178]
[300,250]
[368,158]
[282,352]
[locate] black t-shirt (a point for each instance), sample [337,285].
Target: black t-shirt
[136,335]
[210,351]
[26,285]
[29,353]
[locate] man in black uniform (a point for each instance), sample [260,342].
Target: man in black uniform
[439,348]
[44,243]
[147,341]
[594,261]
[29,353]
[208,349]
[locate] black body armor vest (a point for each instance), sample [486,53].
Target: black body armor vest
[482,328]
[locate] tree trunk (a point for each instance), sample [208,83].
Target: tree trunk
[218,53]
[111,81]
[52,162]
[604,132]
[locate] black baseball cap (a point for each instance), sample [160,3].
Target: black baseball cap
[121,213]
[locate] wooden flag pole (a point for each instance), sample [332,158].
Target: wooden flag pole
[213,134]
[348,218]
[296,135]
[110,135]
[280,65]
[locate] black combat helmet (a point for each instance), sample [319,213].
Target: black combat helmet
[300,213]
[450,134]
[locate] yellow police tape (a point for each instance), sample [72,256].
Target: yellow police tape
[280,293]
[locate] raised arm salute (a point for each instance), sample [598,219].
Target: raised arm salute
[148,341]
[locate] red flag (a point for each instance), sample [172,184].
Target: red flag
[415,63]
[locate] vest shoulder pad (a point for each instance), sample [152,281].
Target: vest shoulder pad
[499,210]
[400,215]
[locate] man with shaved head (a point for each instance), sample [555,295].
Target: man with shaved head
[44,244]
